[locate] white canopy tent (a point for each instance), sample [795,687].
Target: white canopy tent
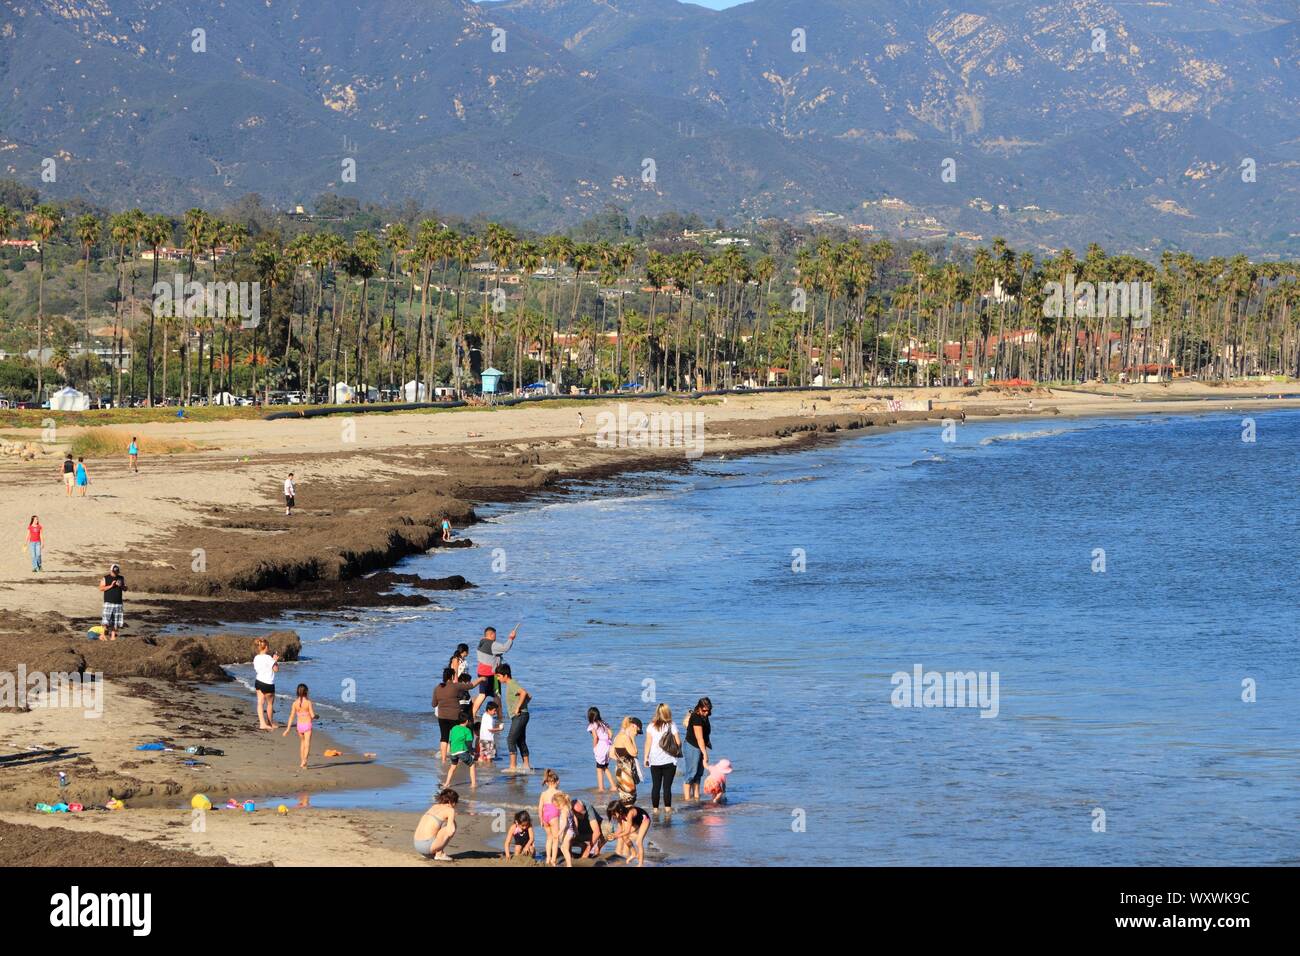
[412,393]
[342,393]
[69,400]
[223,398]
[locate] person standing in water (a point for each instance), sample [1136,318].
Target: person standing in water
[446,707]
[133,453]
[34,542]
[663,745]
[459,662]
[626,774]
[602,739]
[697,748]
[489,654]
[517,702]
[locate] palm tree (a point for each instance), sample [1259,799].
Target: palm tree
[365,261]
[42,223]
[530,260]
[396,240]
[236,238]
[273,271]
[121,233]
[156,231]
[87,229]
[195,224]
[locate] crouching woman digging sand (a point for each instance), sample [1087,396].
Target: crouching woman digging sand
[438,825]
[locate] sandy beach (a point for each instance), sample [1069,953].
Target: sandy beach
[205,546]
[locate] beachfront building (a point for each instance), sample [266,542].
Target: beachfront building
[175,254]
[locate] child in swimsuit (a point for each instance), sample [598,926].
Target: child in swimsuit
[302,713]
[547,810]
[519,841]
[602,741]
[563,828]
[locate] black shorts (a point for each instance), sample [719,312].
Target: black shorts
[288,501]
[264,688]
[444,729]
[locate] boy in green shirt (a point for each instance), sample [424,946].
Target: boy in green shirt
[460,750]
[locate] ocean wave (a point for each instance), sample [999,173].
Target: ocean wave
[796,481]
[1024,436]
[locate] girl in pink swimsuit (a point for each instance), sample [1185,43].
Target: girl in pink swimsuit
[548,811]
[302,713]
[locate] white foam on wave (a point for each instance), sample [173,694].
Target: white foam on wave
[1024,436]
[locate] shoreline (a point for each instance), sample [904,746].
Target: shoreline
[393,520]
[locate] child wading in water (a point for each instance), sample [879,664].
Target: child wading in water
[491,723]
[460,748]
[602,741]
[520,840]
[302,713]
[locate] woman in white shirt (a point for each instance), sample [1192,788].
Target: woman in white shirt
[663,745]
[264,667]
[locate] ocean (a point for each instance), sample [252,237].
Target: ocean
[1121,590]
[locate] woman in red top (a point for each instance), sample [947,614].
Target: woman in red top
[34,542]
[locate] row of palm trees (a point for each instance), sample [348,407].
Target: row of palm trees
[421,300]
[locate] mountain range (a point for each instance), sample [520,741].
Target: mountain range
[1139,125]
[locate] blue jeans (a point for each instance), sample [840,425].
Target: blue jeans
[517,739]
[35,548]
[694,771]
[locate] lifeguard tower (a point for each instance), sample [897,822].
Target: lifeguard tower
[491,378]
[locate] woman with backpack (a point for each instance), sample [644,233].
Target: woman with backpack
[663,745]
